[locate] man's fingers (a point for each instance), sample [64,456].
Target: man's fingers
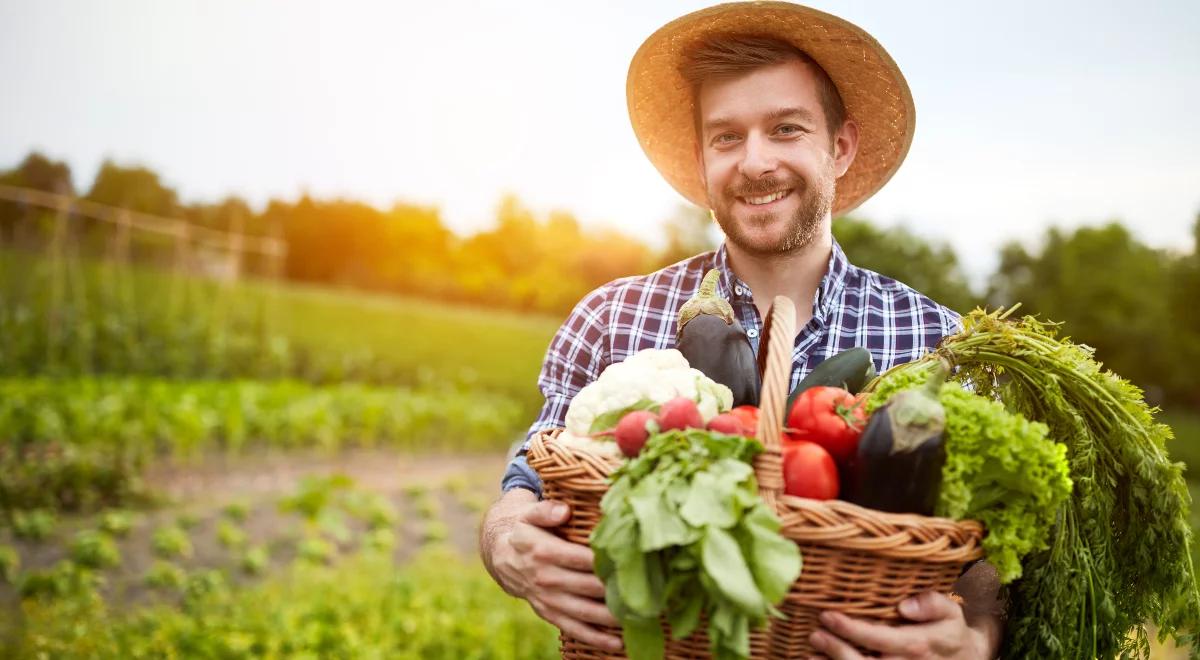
[546,549]
[930,606]
[898,640]
[547,513]
[576,582]
[583,632]
[833,647]
[583,609]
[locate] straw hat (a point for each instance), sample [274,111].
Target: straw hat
[871,85]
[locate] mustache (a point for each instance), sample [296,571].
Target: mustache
[766,186]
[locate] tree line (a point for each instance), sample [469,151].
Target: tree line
[1135,304]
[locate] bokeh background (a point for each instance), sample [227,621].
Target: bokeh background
[276,279]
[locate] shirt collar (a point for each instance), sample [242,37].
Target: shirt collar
[832,282]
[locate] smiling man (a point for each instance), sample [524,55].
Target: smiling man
[776,117]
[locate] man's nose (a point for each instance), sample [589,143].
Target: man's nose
[757,157]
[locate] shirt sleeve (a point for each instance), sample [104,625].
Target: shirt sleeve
[576,356]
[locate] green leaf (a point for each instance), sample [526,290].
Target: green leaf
[608,421]
[723,561]
[643,638]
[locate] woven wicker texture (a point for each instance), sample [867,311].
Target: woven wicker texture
[874,91]
[857,561]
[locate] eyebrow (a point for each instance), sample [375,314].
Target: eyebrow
[778,113]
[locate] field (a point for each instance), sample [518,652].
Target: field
[198,469]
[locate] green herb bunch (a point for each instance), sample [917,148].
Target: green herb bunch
[684,535]
[1119,556]
[1001,469]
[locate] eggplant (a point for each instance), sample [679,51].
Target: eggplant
[714,342]
[898,466]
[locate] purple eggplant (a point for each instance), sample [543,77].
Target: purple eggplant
[714,342]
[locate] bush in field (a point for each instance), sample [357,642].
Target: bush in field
[172,542]
[117,523]
[230,536]
[92,549]
[35,525]
[66,579]
[10,564]
[254,560]
[164,575]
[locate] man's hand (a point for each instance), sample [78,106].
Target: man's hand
[553,574]
[939,630]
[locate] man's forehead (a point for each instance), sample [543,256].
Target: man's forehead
[766,93]
[784,112]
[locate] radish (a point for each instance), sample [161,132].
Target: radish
[727,424]
[680,413]
[633,430]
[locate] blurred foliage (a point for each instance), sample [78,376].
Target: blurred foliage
[929,267]
[78,443]
[1135,305]
[439,606]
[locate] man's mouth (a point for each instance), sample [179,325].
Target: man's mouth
[766,199]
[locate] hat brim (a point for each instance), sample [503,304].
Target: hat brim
[872,88]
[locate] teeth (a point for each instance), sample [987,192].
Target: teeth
[766,200]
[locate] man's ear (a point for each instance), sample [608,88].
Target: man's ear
[845,147]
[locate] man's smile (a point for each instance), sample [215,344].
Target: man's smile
[765,200]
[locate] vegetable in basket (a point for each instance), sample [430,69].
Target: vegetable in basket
[684,535]
[713,341]
[643,381]
[850,370]
[898,464]
[1119,557]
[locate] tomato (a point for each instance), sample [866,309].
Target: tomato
[748,416]
[830,417]
[809,471]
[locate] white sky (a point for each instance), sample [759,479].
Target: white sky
[1029,113]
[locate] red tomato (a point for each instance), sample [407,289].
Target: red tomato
[830,417]
[809,471]
[748,416]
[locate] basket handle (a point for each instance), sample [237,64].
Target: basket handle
[778,337]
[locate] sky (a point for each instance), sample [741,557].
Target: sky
[1029,114]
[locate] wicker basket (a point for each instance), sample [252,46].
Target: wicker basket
[858,561]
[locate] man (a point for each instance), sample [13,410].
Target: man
[775,117]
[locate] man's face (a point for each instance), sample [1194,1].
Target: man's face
[767,159]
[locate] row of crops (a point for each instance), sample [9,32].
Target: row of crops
[107,367]
[313,574]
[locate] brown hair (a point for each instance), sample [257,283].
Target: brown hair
[725,56]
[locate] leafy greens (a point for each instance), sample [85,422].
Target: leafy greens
[684,534]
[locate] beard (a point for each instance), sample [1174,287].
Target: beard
[802,228]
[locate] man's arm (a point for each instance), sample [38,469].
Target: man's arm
[939,628]
[554,575]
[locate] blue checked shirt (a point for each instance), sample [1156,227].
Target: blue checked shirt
[852,307]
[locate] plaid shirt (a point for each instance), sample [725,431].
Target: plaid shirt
[852,307]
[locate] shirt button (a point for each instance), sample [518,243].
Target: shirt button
[739,290]
[752,333]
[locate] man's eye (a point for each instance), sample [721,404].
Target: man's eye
[789,129]
[725,138]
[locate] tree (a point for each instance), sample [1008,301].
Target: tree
[931,268]
[690,231]
[1110,291]
[133,188]
[39,173]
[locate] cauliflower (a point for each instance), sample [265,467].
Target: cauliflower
[645,380]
